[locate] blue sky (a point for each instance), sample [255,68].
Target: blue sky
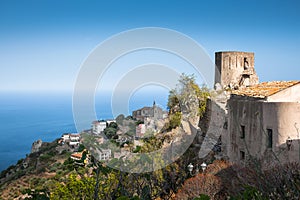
[43,43]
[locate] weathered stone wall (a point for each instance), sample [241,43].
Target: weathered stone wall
[235,69]
[257,117]
[213,126]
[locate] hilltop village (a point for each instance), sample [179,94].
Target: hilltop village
[127,133]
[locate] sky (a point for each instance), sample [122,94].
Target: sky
[44,43]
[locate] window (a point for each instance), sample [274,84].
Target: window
[242,155]
[245,80]
[246,64]
[225,125]
[242,135]
[270,138]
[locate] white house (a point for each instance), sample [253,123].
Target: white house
[98,126]
[110,121]
[74,137]
[71,138]
[104,154]
[65,137]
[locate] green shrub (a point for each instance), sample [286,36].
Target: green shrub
[175,120]
[20,161]
[45,157]
[81,148]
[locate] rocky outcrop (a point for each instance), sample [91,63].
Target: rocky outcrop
[36,146]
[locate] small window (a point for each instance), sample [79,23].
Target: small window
[242,132]
[225,125]
[270,138]
[242,155]
[246,64]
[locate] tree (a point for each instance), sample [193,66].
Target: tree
[81,148]
[186,98]
[80,188]
[113,125]
[111,130]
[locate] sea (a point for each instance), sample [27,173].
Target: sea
[28,116]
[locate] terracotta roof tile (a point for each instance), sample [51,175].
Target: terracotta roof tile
[264,89]
[77,155]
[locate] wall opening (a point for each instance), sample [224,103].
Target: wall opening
[242,133]
[270,138]
[245,80]
[242,155]
[246,64]
[225,125]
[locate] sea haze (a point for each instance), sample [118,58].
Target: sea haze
[27,117]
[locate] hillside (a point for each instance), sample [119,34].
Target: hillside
[50,163]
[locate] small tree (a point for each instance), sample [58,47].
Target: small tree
[184,98]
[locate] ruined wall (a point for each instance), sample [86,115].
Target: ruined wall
[235,69]
[213,126]
[252,121]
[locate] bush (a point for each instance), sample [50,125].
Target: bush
[200,184]
[202,197]
[175,120]
[223,179]
[45,157]
[81,148]
[137,149]
[54,167]
[20,161]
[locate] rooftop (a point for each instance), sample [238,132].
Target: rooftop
[77,155]
[99,122]
[264,89]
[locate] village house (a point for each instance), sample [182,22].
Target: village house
[98,126]
[103,154]
[76,156]
[72,139]
[262,120]
[80,156]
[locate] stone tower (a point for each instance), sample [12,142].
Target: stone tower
[235,69]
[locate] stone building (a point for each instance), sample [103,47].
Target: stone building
[261,120]
[154,112]
[236,69]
